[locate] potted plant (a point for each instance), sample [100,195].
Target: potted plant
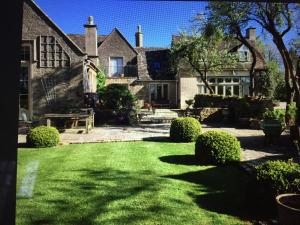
[273,124]
[288,206]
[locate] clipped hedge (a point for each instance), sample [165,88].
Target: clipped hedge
[217,147]
[185,129]
[238,107]
[279,176]
[43,136]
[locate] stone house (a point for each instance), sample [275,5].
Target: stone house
[229,82]
[57,69]
[145,71]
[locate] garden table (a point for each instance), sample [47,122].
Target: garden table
[73,116]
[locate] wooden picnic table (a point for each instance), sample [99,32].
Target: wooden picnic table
[73,116]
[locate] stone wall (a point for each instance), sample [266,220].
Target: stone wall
[188,88]
[69,89]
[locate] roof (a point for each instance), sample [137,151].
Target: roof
[156,63]
[234,45]
[79,39]
[47,18]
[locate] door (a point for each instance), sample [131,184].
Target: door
[159,93]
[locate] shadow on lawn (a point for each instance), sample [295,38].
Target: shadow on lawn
[180,159]
[228,191]
[126,196]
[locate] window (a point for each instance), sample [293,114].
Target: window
[159,92]
[228,90]
[25,53]
[220,90]
[220,80]
[228,80]
[52,53]
[23,94]
[212,80]
[115,66]
[156,65]
[243,56]
[236,90]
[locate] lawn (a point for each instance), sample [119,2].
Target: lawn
[127,183]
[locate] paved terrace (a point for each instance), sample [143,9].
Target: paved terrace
[252,141]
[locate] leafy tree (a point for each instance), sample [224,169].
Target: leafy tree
[204,53]
[277,19]
[232,17]
[100,77]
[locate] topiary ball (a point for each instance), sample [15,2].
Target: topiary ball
[42,136]
[217,147]
[185,129]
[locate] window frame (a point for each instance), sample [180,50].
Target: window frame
[119,73]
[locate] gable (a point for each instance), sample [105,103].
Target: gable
[44,26]
[116,40]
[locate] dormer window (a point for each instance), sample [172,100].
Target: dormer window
[243,56]
[156,65]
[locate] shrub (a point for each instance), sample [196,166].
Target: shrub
[43,136]
[279,176]
[121,101]
[217,147]
[185,129]
[292,113]
[275,114]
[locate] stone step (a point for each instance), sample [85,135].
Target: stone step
[157,119]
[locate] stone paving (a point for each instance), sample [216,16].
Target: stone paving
[252,141]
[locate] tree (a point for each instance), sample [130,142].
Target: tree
[273,82]
[277,19]
[204,53]
[232,17]
[100,77]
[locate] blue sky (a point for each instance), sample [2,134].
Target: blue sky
[159,19]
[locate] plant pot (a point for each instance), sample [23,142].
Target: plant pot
[272,128]
[295,133]
[288,206]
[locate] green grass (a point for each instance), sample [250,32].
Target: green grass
[130,183]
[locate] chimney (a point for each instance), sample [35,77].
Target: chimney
[250,33]
[139,37]
[91,38]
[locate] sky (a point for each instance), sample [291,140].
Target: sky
[159,19]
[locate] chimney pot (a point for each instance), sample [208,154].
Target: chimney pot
[90,20]
[250,33]
[139,37]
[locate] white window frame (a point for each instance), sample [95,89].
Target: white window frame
[155,90]
[28,64]
[110,66]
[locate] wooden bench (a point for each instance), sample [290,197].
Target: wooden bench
[75,117]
